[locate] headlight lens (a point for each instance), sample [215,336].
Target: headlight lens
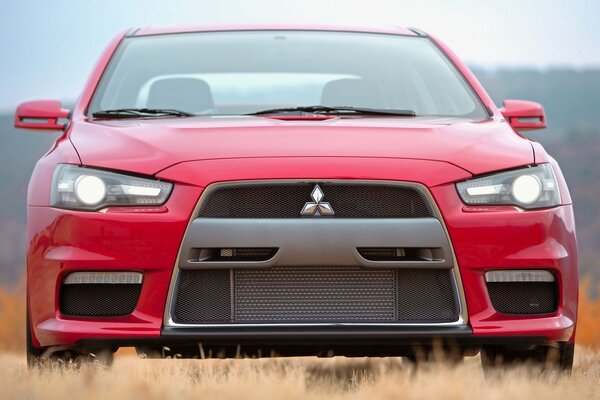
[533,187]
[91,189]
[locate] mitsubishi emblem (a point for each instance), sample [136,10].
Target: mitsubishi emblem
[317,207]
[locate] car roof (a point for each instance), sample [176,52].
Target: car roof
[394,30]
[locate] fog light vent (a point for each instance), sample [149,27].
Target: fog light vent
[522,292]
[100,294]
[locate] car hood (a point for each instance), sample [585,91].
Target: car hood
[147,146]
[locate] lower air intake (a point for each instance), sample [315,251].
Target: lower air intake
[98,299]
[315,295]
[523,298]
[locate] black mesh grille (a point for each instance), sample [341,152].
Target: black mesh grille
[203,297]
[382,253]
[232,254]
[248,253]
[315,294]
[99,300]
[286,200]
[525,298]
[426,296]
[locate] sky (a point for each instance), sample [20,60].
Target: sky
[48,48]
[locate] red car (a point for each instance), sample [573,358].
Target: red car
[283,190]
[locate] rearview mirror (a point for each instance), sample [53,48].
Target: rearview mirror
[41,114]
[524,115]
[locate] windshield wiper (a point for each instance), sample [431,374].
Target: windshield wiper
[139,112]
[337,110]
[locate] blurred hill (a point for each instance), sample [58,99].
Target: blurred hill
[571,99]
[19,151]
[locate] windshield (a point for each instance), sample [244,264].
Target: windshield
[243,72]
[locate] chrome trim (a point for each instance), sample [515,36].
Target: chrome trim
[172,324]
[520,275]
[418,32]
[456,277]
[104,277]
[317,208]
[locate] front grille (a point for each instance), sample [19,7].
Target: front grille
[524,298]
[315,295]
[98,299]
[286,200]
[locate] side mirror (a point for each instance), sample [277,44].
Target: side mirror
[41,114]
[524,115]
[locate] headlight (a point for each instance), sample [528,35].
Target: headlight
[93,189]
[533,187]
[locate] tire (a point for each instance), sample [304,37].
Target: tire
[75,359]
[33,353]
[565,356]
[65,358]
[558,357]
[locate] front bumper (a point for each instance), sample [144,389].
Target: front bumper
[63,241]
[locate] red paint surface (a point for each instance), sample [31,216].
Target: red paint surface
[40,114]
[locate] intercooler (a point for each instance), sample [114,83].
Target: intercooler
[287,295]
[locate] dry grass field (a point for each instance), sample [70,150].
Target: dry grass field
[289,379]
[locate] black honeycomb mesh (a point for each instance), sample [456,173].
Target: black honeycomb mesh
[525,298]
[241,253]
[395,253]
[382,253]
[204,296]
[99,300]
[316,294]
[286,200]
[426,296]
